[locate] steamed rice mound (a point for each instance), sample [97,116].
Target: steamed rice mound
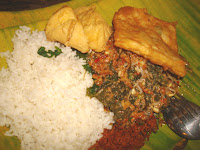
[44,101]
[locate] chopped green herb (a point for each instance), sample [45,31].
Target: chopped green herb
[92,90]
[41,51]
[84,56]
[88,68]
[79,54]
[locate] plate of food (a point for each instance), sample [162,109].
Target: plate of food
[96,75]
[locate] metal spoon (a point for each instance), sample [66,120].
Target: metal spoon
[183,117]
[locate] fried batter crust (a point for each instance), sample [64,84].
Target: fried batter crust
[60,26]
[150,37]
[95,27]
[82,28]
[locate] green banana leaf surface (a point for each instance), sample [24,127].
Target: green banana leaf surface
[185,12]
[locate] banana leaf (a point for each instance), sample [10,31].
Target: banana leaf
[186,13]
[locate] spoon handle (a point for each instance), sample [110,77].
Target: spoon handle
[180,145]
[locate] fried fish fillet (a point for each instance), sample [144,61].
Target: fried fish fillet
[150,37]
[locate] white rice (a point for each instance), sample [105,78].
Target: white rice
[43,100]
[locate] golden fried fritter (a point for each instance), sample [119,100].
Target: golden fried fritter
[95,27]
[61,25]
[83,29]
[78,39]
[150,37]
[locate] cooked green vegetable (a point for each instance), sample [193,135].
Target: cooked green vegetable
[88,68]
[84,57]
[49,53]
[79,54]
[129,85]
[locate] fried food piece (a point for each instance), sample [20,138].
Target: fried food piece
[95,27]
[61,25]
[65,28]
[83,29]
[150,37]
[78,39]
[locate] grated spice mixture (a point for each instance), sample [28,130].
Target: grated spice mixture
[127,138]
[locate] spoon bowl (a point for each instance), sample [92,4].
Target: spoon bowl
[183,117]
